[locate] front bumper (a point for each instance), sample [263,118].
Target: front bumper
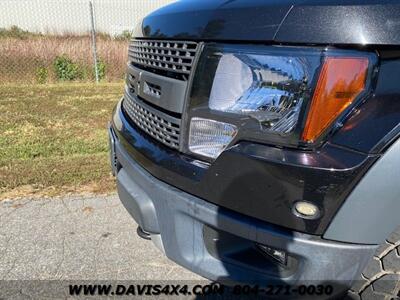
[220,244]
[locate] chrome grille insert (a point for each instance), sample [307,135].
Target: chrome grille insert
[172,56]
[160,126]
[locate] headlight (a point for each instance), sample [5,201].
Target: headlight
[268,88]
[286,96]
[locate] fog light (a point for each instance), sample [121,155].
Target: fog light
[210,138]
[306,210]
[277,255]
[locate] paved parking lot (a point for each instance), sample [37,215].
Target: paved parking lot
[77,238]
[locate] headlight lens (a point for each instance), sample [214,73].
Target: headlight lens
[285,96]
[268,88]
[341,80]
[209,138]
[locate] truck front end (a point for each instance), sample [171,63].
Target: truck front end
[240,150]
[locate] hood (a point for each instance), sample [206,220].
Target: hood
[347,22]
[301,22]
[216,20]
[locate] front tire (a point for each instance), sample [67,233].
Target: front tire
[381,278]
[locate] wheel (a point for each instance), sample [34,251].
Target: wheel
[381,278]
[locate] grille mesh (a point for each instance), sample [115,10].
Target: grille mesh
[152,122]
[173,56]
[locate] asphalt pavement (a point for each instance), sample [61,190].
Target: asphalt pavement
[77,238]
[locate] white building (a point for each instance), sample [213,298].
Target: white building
[61,16]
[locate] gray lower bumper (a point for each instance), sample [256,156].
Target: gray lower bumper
[177,219]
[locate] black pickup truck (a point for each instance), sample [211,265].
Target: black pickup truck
[257,141]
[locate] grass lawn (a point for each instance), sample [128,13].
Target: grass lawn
[53,138]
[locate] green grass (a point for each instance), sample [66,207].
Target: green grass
[16,32]
[53,138]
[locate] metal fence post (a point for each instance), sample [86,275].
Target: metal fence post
[94,45]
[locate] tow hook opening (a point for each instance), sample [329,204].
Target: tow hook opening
[143,234]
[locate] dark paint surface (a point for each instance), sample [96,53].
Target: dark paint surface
[216,19]
[256,180]
[364,24]
[307,22]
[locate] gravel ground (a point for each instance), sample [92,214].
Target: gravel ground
[77,238]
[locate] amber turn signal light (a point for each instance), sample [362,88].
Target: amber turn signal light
[341,80]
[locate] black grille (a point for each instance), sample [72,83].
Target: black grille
[149,93]
[175,57]
[162,127]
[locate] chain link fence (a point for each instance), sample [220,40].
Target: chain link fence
[49,41]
